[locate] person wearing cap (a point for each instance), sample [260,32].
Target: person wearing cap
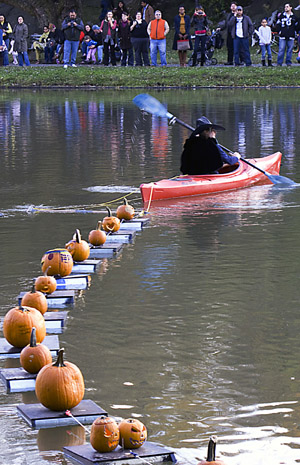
[158,29]
[98,38]
[201,153]
[241,31]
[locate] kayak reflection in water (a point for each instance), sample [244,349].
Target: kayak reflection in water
[202,153]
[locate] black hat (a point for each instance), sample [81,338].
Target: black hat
[204,123]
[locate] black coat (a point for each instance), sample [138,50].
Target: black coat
[200,156]
[187,21]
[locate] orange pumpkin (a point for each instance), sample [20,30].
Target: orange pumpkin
[78,248]
[18,323]
[111,223]
[35,299]
[125,212]
[57,262]
[35,356]
[104,434]
[133,433]
[211,454]
[59,386]
[45,283]
[97,236]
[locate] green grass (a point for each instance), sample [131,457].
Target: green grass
[99,76]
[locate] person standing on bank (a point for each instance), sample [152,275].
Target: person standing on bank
[158,29]
[20,34]
[147,12]
[287,25]
[202,154]
[199,21]
[7,30]
[71,27]
[140,40]
[241,31]
[229,40]
[108,29]
[182,24]
[265,36]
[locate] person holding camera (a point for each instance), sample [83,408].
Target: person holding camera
[72,27]
[199,22]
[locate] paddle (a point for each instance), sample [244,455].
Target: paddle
[151,105]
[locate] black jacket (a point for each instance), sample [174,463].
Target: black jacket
[200,156]
[247,26]
[72,32]
[287,26]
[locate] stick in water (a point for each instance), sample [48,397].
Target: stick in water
[69,414]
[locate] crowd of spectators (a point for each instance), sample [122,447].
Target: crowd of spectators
[121,35]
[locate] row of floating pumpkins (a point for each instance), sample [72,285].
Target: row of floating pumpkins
[60,385]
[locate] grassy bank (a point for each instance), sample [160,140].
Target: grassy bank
[56,76]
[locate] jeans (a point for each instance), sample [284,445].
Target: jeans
[266,48]
[241,44]
[127,52]
[70,47]
[5,53]
[285,44]
[23,56]
[155,46]
[199,40]
[100,53]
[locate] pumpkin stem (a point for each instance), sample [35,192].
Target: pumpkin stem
[46,271]
[211,450]
[33,291]
[23,309]
[99,224]
[60,359]
[108,211]
[125,201]
[78,236]
[33,337]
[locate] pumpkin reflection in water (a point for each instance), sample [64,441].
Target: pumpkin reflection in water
[105,434]
[54,439]
[133,433]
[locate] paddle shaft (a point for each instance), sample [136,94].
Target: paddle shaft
[182,123]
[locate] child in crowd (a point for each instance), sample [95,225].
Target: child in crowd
[265,36]
[91,49]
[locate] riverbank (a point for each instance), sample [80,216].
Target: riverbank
[173,76]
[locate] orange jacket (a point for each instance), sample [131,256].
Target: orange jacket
[157,29]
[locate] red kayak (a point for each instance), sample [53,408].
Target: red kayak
[229,178]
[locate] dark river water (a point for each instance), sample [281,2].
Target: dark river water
[195,327]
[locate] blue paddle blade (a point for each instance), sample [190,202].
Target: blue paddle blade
[281,181]
[151,105]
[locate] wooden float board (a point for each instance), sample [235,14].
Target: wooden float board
[105,250]
[87,266]
[37,416]
[76,282]
[17,379]
[87,455]
[124,236]
[9,351]
[58,299]
[55,322]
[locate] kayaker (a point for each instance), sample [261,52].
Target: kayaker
[201,153]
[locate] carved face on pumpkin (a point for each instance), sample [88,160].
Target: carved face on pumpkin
[105,434]
[133,433]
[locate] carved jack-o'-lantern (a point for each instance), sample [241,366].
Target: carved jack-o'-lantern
[78,248]
[211,454]
[57,262]
[111,223]
[45,283]
[104,434]
[133,433]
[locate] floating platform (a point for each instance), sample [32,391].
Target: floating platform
[105,250]
[87,266]
[58,299]
[76,282]
[17,379]
[123,236]
[55,322]
[132,225]
[9,351]
[149,452]
[37,416]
